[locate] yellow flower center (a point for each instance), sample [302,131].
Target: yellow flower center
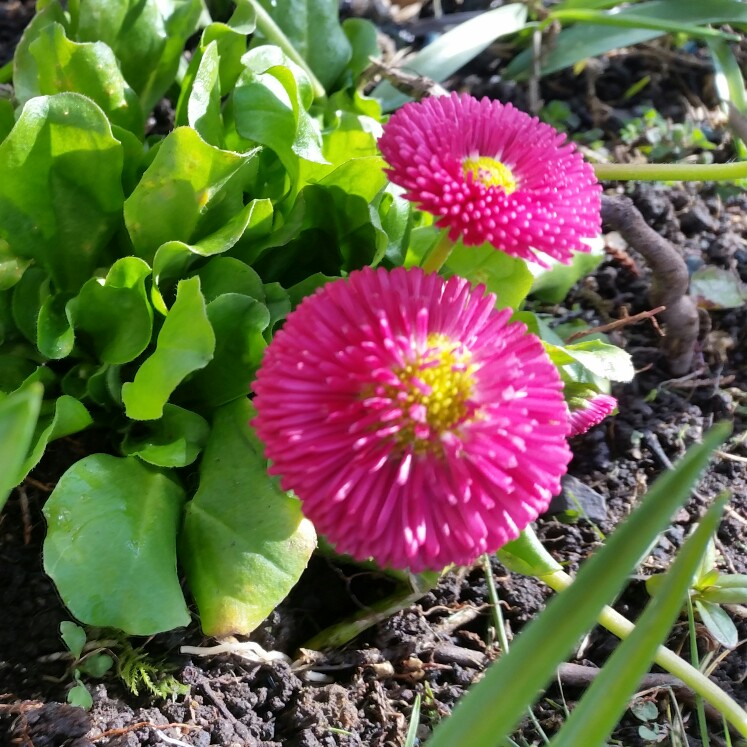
[435,396]
[489,172]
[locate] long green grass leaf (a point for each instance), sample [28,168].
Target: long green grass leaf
[596,715]
[589,40]
[455,49]
[490,710]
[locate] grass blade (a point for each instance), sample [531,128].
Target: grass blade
[455,48]
[490,710]
[594,718]
[589,40]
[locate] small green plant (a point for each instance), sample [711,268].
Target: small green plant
[140,672]
[659,139]
[95,663]
[708,591]
[650,730]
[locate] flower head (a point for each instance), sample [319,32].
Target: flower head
[588,412]
[416,423]
[491,173]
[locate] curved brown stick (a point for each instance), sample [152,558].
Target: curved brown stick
[670,279]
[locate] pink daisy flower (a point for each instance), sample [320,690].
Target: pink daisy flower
[586,413]
[415,422]
[491,173]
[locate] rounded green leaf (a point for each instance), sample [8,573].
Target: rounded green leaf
[61,187]
[114,314]
[175,440]
[185,344]
[245,541]
[147,36]
[185,194]
[111,545]
[238,322]
[91,69]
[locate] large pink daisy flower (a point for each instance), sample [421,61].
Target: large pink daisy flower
[417,425]
[491,173]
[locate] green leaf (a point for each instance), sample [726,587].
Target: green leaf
[717,288]
[61,417]
[18,414]
[174,258]
[719,624]
[74,637]
[729,588]
[594,718]
[91,69]
[174,440]
[60,187]
[527,555]
[238,322]
[589,40]
[96,666]
[455,48]
[186,193]
[185,344]
[489,711]
[329,231]
[270,103]
[147,36]
[79,695]
[228,275]
[245,542]
[362,35]
[204,101]
[507,277]
[313,29]
[25,72]
[111,545]
[551,285]
[729,80]
[114,314]
[54,330]
[592,358]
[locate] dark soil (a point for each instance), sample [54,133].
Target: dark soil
[363,694]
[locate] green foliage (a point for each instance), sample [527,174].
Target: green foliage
[590,32]
[709,589]
[661,140]
[94,663]
[140,673]
[488,713]
[143,273]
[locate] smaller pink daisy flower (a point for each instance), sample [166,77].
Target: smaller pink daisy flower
[491,173]
[586,413]
[415,422]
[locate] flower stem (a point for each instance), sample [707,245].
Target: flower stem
[695,680]
[434,260]
[672,172]
[274,35]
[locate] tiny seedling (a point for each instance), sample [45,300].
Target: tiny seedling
[94,663]
[650,730]
[709,590]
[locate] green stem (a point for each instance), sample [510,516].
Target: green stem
[695,680]
[338,635]
[672,172]
[695,659]
[275,35]
[434,260]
